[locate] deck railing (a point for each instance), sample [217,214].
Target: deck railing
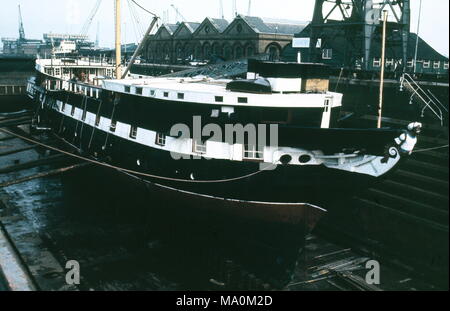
[427,98]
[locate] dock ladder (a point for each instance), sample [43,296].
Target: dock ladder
[427,98]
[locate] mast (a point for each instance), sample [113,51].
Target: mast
[118,41]
[383,62]
[21,28]
[417,36]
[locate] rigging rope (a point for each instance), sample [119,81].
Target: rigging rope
[137,33]
[136,172]
[140,6]
[138,21]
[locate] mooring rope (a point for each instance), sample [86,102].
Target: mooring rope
[430,149]
[132,171]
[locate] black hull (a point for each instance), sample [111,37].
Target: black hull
[259,236]
[317,185]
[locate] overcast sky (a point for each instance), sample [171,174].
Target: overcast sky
[63,16]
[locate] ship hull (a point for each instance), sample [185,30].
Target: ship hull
[273,192]
[266,238]
[317,185]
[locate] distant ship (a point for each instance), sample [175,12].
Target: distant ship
[305,162]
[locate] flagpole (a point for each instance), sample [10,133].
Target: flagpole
[118,41]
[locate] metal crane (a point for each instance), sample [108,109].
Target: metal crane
[21,28]
[178,13]
[88,22]
[359,20]
[221,9]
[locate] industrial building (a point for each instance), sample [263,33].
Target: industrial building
[245,36]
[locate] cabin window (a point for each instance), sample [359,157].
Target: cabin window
[215,113]
[113,126]
[198,146]
[252,152]
[437,65]
[66,71]
[166,94]
[92,71]
[180,95]
[127,89]
[327,53]
[219,99]
[2,90]
[160,139]
[57,71]
[133,132]
[390,62]
[242,100]
[410,63]
[139,91]
[446,65]
[376,62]
[426,64]
[152,92]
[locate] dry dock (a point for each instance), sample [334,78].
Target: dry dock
[49,219]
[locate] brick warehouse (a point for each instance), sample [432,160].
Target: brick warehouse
[245,36]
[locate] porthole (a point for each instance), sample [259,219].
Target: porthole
[304,158]
[285,159]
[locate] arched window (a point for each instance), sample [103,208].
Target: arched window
[238,51]
[178,52]
[206,51]
[166,55]
[217,49]
[274,51]
[227,52]
[198,52]
[159,53]
[249,50]
[189,51]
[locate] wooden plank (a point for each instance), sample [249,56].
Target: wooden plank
[30,164]
[43,174]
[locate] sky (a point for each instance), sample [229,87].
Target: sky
[68,16]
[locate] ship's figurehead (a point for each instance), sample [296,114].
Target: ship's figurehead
[408,140]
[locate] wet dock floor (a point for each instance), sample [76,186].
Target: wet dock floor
[120,246]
